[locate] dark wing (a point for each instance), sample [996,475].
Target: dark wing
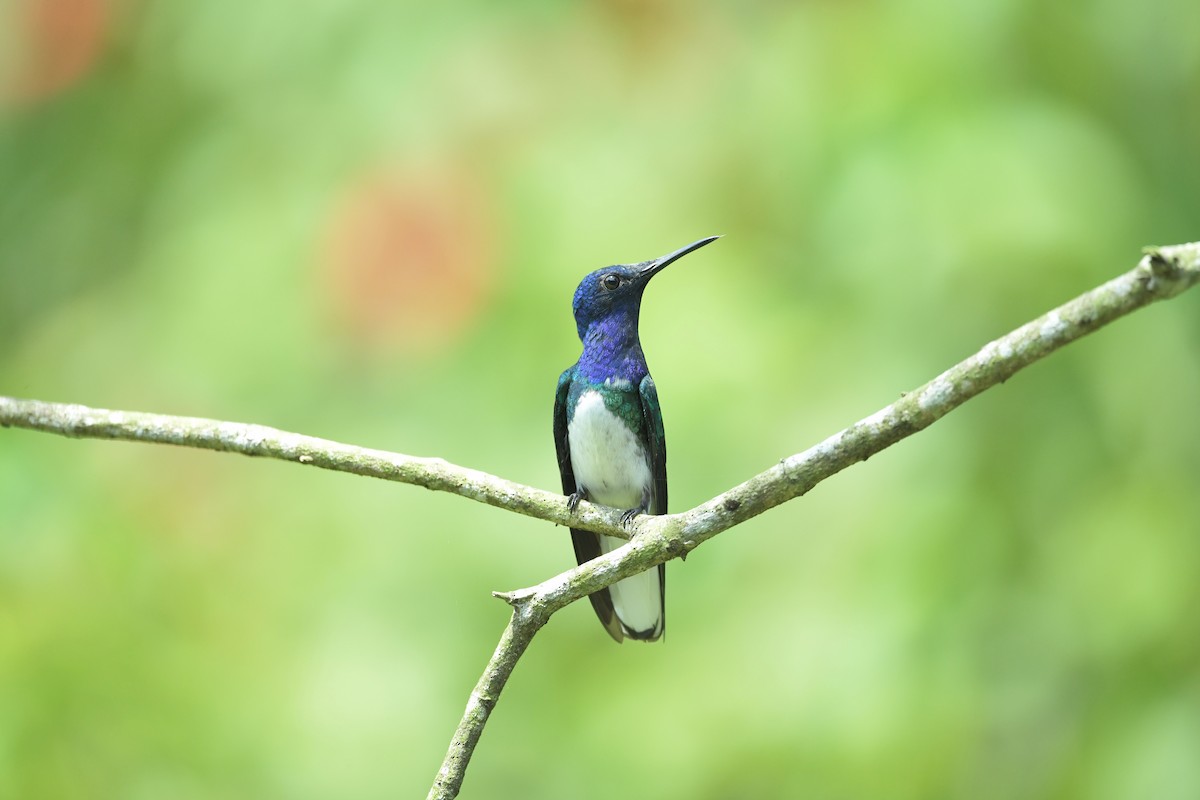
[587,544]
[561,444]
[656,440]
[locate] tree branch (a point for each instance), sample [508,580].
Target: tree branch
[83,422]
[1162,273]
[527,619]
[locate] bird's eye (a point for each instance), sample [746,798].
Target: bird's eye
[610,282]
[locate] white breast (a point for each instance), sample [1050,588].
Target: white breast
[613,466]
[608,460]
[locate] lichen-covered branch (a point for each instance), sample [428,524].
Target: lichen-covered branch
[1163,272]
[78,421]
[527,619]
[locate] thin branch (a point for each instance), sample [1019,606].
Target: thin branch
[1163,273]
[526,620]
[437,474]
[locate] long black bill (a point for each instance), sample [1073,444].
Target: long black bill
[657,265]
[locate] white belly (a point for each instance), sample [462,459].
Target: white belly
[613,467]
[609,462]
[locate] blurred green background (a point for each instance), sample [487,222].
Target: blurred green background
[365,220]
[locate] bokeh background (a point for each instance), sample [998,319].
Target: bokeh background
[364,221]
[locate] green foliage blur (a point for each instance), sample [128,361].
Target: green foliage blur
[365,220]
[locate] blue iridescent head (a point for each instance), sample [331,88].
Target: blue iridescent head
[615,293]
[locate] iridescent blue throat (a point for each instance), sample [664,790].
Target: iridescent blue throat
[612,350]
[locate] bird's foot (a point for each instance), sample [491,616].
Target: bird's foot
[628,515]
[573,500]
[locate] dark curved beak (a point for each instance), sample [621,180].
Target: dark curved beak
[651,268]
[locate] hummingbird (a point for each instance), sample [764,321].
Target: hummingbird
[608,431]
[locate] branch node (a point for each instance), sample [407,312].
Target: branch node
[1164,267]
[517,599]
[677,547]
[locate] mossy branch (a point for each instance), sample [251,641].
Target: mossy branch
[1162,273]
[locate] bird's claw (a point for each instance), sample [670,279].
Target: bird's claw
[573,501]
[627,516]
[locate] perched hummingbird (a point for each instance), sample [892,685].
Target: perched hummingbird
[608,431]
